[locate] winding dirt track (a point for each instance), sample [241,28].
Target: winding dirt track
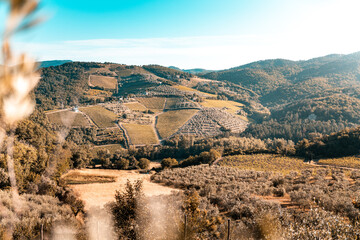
[98,194]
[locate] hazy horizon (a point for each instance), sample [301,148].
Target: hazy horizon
[49,60]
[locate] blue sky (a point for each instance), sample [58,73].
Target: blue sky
[212,34]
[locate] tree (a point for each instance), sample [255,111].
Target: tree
[81,157]
[121,163]
[124,209]
[169,162]
[199,224]
[104,158]
[144,163]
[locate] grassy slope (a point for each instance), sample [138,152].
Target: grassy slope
[102,117]
[169,122]
[140,134]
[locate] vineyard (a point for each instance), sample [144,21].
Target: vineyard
[140,134]
[102,117]
[155,104]
[168,122]
[135,106]
[210,122]
[230,106]
[68,118]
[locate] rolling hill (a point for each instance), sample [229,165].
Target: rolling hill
[277,96]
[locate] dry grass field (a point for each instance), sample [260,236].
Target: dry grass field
[156,104]
[136,106]
[169,122]
[98,194]
[68,118]
[76,177]
[140,134]
[348,162]
[103,81]
[232,107]
[102,117]
[265,162]
[111,147]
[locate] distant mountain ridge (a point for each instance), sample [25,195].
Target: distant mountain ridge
[53,63]
[193,70]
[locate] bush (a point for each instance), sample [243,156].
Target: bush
[169,162]
[144,163]
[122,163]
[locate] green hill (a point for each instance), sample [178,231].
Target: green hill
[279,96]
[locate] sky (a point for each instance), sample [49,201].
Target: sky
[210,34]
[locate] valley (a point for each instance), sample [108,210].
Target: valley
[274,141]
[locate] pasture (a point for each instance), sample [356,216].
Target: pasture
[102,117]
[169,122]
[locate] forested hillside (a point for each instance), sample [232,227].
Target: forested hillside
[319,95]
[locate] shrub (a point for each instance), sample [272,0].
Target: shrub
[144,163]
[169,162]
[121,163]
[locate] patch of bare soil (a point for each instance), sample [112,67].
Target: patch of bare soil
[98,194]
